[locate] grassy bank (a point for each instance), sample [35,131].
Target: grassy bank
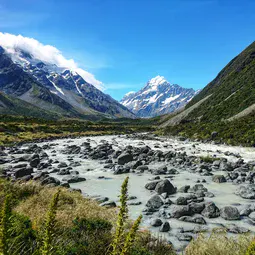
[81,227]
[73,225]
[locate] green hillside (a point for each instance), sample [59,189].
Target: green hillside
[232,91]
[14,106]
[226,106]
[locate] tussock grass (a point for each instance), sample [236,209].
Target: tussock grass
[70,206]
[219,244]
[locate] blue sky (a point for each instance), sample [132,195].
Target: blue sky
[124,43]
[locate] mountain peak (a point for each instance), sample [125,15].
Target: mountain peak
[157,97]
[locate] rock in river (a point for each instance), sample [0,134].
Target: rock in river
[219,178]
[74,179]
[155,202]
[165,227]
[211,210]
[165,186]
[124,158]
[156,222]
[247,192]
[151,185]
[229,213]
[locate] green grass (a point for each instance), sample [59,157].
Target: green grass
[237,132]
[14,129]
[232,91]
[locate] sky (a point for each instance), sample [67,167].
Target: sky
[125,43]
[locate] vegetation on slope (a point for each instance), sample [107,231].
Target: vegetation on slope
[232,91]
[14,106]
[236,132]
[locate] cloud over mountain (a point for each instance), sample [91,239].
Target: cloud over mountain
[47,53]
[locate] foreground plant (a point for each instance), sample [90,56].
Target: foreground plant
[119,246]
[50,226]
[5,225]
[130,239]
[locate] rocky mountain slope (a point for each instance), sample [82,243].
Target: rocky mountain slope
[158,97]
[54,89]
[231,95]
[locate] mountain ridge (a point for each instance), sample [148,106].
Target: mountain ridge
[53,88]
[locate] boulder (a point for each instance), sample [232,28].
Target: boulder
[120,170]
[160,170]
[184,189]
[232,228]
[62,165]
[252,216]
[124,158]
[34,162]
[165,227]
[108,204]
[151,185]
[50,180]
[230,213]
[184,237]
[197,187]
[219,178]
[155,202]
[65,185]
[63,172]
[156,222]
[72,149]
[196,220]
[247,192]
[73,179]
[20,166]
[101,199]
[245,211]
[179,211]
[165,186]
[23,172]
[211,210]
[181,201]
[196,207]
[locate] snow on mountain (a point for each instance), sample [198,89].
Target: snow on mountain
[46,53]
[157,97]
[52,87]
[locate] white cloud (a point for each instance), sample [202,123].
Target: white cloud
[45,53]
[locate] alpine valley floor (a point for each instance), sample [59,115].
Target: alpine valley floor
[195,187]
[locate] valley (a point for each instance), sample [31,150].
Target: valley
[193,186]
[188,155]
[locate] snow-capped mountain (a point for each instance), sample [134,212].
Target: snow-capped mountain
[53,88]
[158,97]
